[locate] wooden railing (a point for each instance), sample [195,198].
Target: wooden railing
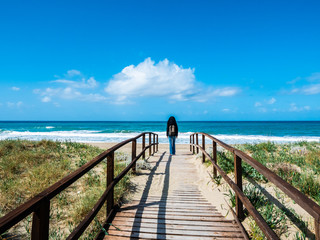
[40,204]
[303,201]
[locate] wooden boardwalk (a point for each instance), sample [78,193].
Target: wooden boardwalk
[171,206]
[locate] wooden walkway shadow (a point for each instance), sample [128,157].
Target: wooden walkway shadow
[175,211]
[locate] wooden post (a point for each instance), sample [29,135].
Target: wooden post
[190,144]
[133,154]
[110,177]
[204,148]
[214,157]
[40,222]
[238,181]
[149,144]
[197,142]
[193,143]
[144,145]
[157,142]
[317,227]
[154,143]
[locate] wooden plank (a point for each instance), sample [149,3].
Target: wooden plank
[131,238]
[40,222]
[177,213]
[214,157]
[185,208]
[225,222]
[134,154]
[197,143]
[270,234]
[195,194]
[171,203]
[172,217]
[156,230]
[164,208]
[194,198]
[187,192]
[226,228]
[238,181]
[302,200]
[186,199]
[193,152]
[120,235]
[165,236]
[143,145]
[150,144]
[200,197]
[204,147]
[110,178]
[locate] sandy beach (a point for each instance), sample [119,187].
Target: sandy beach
[127,148]
[214,194]
[217,195]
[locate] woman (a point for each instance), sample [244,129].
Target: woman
[172,134]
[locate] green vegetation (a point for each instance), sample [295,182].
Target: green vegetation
[297,163]
[274,216]
[28,167]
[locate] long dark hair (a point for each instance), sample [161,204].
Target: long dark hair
[171,121]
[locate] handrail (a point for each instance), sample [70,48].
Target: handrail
[302,200]
[40,204]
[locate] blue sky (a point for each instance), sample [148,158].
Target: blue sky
[147,60]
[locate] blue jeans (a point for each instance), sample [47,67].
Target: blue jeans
[172,143]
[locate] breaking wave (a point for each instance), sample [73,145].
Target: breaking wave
[98,136]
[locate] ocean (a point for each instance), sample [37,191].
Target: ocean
[231,132]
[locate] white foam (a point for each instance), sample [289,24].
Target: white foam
[96,136]
[49,127]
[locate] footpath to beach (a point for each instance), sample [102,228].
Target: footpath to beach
[168,204]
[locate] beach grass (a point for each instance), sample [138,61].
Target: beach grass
[29,167]
[297,163]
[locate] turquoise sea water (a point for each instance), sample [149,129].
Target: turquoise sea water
[230,132]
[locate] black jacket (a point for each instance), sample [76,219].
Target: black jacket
[172,121]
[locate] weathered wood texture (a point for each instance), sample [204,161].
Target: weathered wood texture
[302,200]
[179,212]
[40,204]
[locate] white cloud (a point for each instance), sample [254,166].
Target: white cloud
[150,79]
[72,73]
[307,90]
[294,108]
[257,104]
[263,110]
[163,79]
[226,110]
[15,88]
[14,104]
[297,79]
[75,79]
[314,77]
[271,101]
[73,86]
[82,83]
[68,93]
[56,104]
[46,99]
[226,92]
[311,90]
